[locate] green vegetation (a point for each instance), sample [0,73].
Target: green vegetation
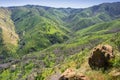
[37,31]
[39,42]
[8,37]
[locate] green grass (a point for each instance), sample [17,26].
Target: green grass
[52,40]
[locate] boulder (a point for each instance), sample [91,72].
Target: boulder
[72,74]
[100,56]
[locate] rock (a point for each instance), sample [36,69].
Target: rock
[100,56]
[72,74]
[13,68]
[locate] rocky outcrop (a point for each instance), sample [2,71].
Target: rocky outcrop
[100,56]
[72,74]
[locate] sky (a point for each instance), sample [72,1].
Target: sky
[55,3]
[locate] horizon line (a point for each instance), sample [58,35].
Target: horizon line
[56,7]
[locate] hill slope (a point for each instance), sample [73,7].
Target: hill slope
[109,35]
[73,53]
[80,19]
[38,28]
[9,38]
[53,39]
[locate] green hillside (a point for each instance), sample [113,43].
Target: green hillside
[73,53]
[78,60]
[38,28]
[38,42]
[102,28]
[9,39]
[92,15]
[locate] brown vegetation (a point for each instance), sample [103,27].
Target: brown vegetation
[100,56]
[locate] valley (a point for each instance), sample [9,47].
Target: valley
[39,42]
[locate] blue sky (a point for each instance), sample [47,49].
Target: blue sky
[55,3]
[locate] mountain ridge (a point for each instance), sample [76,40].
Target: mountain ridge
[66,21]
[51,40]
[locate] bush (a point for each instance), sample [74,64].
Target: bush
[116,62]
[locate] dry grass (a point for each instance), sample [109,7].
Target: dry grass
[7,25]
